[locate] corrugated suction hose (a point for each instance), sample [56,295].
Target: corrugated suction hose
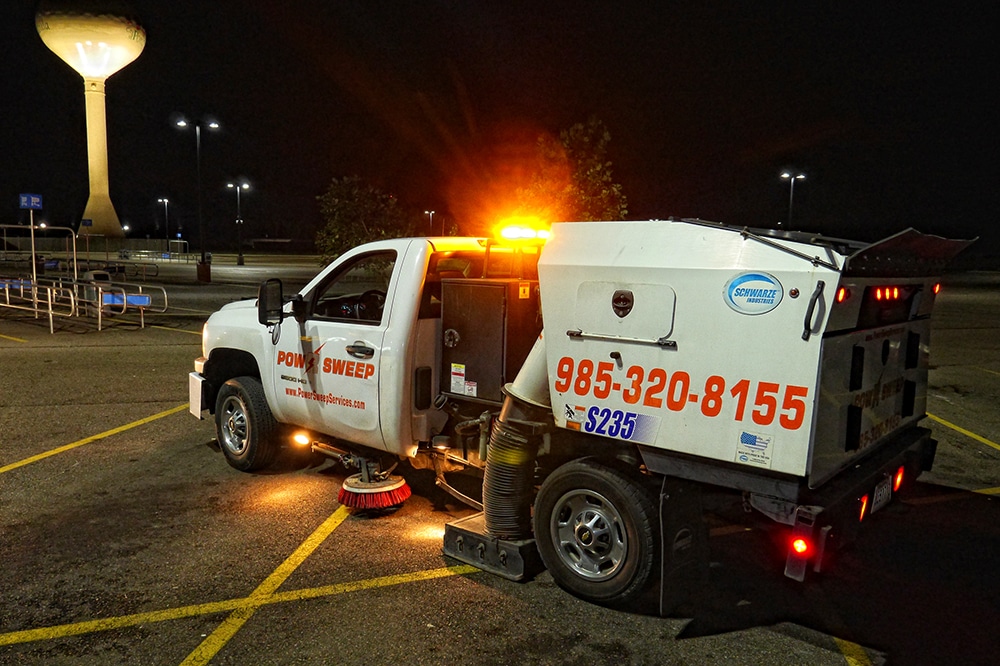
[508,484]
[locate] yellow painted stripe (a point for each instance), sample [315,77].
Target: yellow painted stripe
[854,654]
[965,432]
[992,372]
[88,440]
[175,330]
[989,491]
[11,338]
[228,605]
[232,624]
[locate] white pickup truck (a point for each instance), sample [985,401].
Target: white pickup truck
[788,367]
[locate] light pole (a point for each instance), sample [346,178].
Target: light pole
[430,226]
[166,221]
[204,273]
[787,175]
[239,219]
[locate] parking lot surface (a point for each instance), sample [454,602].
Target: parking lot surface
[125,538]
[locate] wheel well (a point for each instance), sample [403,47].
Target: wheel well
[224,364]
[567,446]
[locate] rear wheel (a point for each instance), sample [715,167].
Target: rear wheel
[597,532]
[244,425]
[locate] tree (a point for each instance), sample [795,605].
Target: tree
[357,213]
[573,180]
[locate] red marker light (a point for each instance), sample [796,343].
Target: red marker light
[937,287]
[843,294]
[801,546]
[878,293]
[864,507]
[897,480]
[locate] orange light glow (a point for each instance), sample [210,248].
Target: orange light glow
[523,228]
[864,507]
[302,438]
[897,480]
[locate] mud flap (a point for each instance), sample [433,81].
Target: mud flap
[684,544]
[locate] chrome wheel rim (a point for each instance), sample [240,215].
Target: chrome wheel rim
[234,426]
[589,534]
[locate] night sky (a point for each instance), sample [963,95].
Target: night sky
[883,105]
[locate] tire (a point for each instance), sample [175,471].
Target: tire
[597,532]
[244,425]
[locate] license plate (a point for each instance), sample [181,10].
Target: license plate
[883,493]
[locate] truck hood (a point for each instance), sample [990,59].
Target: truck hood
[248,304]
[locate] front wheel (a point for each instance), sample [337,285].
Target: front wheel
[244,425]
[597,532]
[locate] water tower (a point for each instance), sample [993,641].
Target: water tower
[96,39]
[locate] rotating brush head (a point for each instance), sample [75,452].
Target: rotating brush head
[389,492]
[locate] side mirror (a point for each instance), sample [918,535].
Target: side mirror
[269,302]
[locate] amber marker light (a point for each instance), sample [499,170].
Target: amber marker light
[302,438]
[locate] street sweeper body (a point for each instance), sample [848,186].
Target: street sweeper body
[677,355]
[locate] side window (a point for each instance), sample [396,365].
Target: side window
[357,291]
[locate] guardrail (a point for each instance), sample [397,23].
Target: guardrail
[62,297]
[54,301]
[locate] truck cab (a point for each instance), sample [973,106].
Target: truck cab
[354,357]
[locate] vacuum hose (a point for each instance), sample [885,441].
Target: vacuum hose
[508,483]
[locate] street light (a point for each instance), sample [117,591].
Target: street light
[787,175]
[166,220]
[430,226]
[183,123]
[239,219]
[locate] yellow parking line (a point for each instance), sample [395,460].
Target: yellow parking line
[854,654]
[11,338]
[227,605]
[965,432]
[176,330]
[92,438]
[989,491]
[218,638]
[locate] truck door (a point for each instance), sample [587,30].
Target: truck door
[327,367]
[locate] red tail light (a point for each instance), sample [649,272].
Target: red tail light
[843,294]
[864,508]
[801,546]
[937,287]
[897,480]
[887,293]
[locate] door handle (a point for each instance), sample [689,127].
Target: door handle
[808,323]
[360,350]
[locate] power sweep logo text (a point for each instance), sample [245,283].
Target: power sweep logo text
[753,293]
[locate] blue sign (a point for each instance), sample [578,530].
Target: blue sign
[87,222]
[33,201]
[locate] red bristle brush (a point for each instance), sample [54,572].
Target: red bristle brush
[389,492]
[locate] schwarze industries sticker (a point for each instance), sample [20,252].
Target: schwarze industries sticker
[753,293]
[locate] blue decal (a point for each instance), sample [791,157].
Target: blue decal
[621,424]
[753,293]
